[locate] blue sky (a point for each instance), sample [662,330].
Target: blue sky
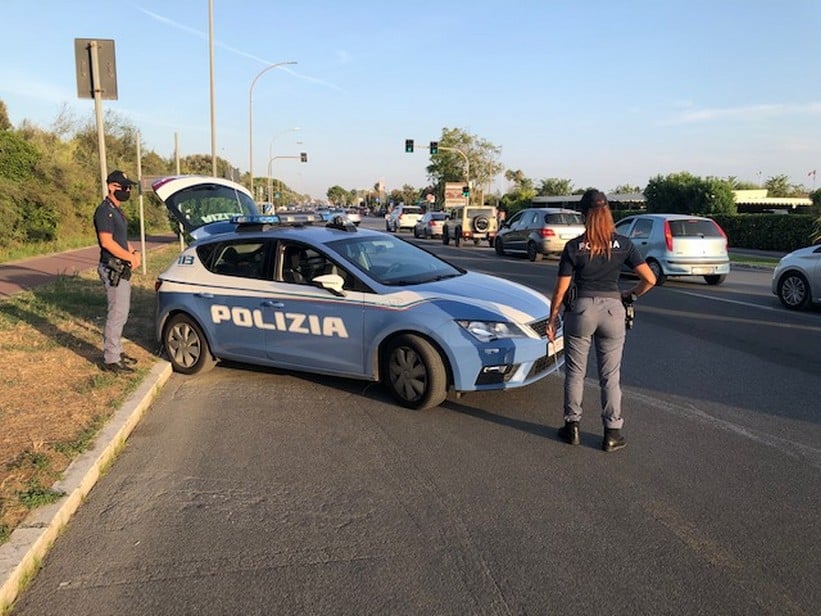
[599,92]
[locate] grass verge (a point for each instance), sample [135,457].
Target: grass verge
[55,396]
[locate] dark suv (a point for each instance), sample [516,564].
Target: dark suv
[539,231]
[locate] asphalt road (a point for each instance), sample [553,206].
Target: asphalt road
[261,492]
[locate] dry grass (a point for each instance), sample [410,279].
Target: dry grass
[54,396]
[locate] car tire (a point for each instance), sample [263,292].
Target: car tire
[445,237]
[793,291]
[415,233]
[414,372]
[457,237]
[499,247]
[481,224]
[655,267]
[533,253]
[714,279]
[186,346]
[491,241]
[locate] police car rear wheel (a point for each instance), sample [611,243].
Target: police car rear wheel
[186,346]
[414,373]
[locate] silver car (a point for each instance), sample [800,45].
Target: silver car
[403,217]
[430,225]
[539,231]
[797,278]
[679,245]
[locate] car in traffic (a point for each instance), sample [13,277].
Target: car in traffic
[430,225]
[538,232]
[797,278]
[295,292]
[403,217]
[354,215]
[471,222]
[679,245]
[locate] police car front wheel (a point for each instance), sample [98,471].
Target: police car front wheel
[186,346]
[415,373]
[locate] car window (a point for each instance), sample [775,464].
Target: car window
[392,261]
[515,219]
[204,204]
[642,229]
[300,264]
[694,227]
[240,259]
[623,226]
[564,218]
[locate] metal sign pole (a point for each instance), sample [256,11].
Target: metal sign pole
[98,111]
[142,211]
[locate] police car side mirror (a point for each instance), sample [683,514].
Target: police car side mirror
[332,283]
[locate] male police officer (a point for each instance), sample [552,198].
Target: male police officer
[117,258]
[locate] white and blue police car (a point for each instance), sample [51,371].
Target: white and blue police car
[300,293]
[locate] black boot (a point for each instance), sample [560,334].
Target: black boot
[569,432]
[612,440]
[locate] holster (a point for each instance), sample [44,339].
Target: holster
[118,270]
[569,301]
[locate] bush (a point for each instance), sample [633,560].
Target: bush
[779,232]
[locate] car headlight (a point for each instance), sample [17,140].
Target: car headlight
[487,331]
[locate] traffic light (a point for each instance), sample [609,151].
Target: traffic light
[303,157]
[434,147]
[465,191]
[409,146]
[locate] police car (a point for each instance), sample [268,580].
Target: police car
[300,293]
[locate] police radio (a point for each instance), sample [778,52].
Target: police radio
[629,309]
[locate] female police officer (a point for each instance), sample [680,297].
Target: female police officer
[595,312]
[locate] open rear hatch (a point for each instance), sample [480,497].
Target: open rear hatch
[204,205]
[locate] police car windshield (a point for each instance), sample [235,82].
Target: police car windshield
[392,261]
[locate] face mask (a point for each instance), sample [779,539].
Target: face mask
[122,195]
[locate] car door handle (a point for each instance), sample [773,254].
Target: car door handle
[272,304]
[204,295]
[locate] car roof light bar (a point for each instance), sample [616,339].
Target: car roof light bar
[281,220]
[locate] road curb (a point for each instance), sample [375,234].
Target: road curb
[22,554]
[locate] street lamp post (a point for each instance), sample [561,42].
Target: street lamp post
[271,152]
[273,158]
[251,117]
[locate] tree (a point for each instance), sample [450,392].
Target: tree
[626,189]
[450,166]
[778,186]
[683,193]
[555,187]
[520,182]
[5,123]
[520,196]
[337,195]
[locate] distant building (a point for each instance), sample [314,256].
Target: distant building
[757,202]
[618,201]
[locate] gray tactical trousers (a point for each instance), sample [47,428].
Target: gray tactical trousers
[599,320]
[119,303]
